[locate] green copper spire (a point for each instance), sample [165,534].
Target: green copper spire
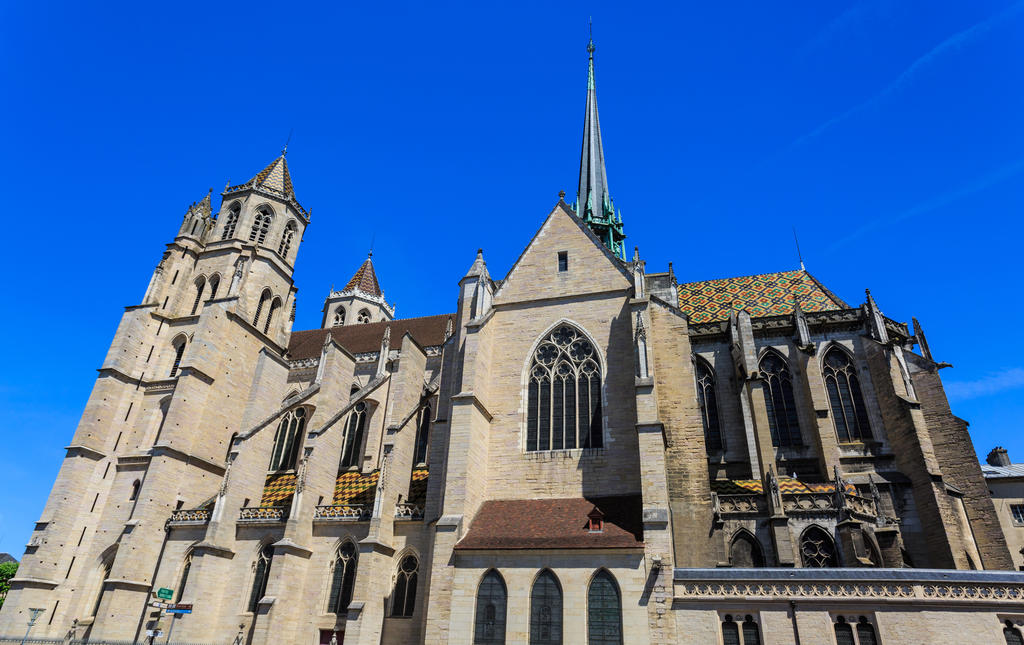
[593,201]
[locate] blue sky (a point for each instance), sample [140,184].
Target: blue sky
[888,133]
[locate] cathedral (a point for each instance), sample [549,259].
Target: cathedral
[586,450]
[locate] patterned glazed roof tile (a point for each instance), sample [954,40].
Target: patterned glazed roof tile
[275,177]
[768,294]
[365,279]
[786,485]
[353,487]
[418,486]
[278,489]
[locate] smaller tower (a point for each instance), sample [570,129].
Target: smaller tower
[361,301]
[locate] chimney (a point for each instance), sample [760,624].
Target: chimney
[998,457]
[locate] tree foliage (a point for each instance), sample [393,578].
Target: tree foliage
[7,571]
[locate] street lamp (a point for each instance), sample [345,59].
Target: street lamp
[33,614]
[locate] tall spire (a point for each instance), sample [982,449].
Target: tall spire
[365,279]
[593,201]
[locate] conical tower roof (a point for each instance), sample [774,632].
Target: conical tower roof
[274,177]
[365,279]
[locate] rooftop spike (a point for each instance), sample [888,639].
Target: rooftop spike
[594,202]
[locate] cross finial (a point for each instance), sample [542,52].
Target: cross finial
[590,45]
[284,150]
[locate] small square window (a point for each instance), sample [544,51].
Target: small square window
[563,261]
[1017,510]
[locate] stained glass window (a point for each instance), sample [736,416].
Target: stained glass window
[261,575]
[353,443]
[343,579]
[403,599]
[563,399]
[287,440]
[782,418]
[490,610]
[844,396]
[546,610]
[604,611]
[708,406]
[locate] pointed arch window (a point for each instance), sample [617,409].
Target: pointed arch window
[363,317]
[339,317]
[287,440]
[179,351]
[745,551]
[105,568]
[343,578]
[261,574]
[604,611]
[491,605]
[403,599]
[274,307]
[136,486]
[563,406]
[546,610]
[200,286]
[708,406]
[782,417]
[817,549]
[214,283]
[354,436]
[231,222]
[1011,634]
[264,299]
[260,226]
[422,435]
[844,396]
[286,239]
[183,581]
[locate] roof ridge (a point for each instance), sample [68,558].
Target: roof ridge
[747,275]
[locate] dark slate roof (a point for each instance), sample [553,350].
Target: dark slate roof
[998,472]
[947,576]
[766,294]
[365,279]
[6,557]
[556,524]
[428,331]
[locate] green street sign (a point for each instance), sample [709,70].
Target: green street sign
[165,593]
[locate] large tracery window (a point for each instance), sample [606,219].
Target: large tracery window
[260,226]
[231,222]
[353,436]
[563,407]
[343,578]
[708,406]
[782,419]
[844,396]
[286,239]
[287,440]
[261,574]
[491,600]
[817,549]
[604,611]
[546,610]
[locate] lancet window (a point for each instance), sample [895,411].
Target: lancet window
[214,283]
[339,317]
[354,436]
[708,401]
[200,287]
[745,551]
[403,599]
[343,578]
[274,306]
[563,407]
[604,611]
[422,435]
[264,299]
[261,574]
[844,396]
[184,578]
[179,351]
[491,604]
[817,549]
[231,222]
[782,416]
[260,226]
[546,610]
[287,440]
[286,239]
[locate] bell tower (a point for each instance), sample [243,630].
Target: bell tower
[361,301]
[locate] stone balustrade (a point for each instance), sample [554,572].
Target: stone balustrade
[187,517]
[263,514]
[342,513]
[406,511]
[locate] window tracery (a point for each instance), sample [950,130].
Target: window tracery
[231,222]
[491,604]
[563,408]
[779,401]
[339,317]
[604,611]
[403,599]
[817,549]
[708,401]
[343,577]
[260,226]
[287,440]
[546,610]
[286,239]
[849,414]
[363,317]
[261,574]
[353,436]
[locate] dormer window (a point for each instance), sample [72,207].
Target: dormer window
[595,521]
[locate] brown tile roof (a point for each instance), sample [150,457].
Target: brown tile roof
[556,524]
[365,279]
[428,331]
[766,294]
[275,177]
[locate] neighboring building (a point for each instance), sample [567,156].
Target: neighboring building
[1006,485]
[583,452]
[6,557]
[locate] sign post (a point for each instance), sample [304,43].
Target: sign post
[164,593]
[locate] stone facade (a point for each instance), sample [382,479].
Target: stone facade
[783,462]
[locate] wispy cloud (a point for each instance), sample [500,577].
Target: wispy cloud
[954,42]
[849,19]
[992,384]
[986,181]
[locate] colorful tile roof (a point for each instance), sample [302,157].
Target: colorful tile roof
[353,487]
[767,294]
[278,489]
[365,279]
[786,485]
[418,486]
[275,177]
